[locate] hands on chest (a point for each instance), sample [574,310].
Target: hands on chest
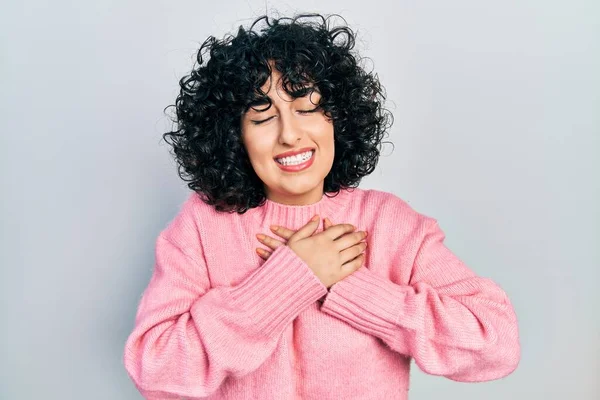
[332,254]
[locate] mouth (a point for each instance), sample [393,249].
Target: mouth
[296,158]
[296,163]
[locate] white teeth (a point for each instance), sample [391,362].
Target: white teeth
[294,160]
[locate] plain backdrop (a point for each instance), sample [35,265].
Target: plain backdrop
[496,134]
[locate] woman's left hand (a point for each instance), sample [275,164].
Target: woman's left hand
[282,232]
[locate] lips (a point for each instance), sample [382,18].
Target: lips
[294,152]
[297,167]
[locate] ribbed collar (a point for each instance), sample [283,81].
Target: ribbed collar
[296,216]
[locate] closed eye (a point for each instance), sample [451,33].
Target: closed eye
[308,111]
[299,111]
[259,122]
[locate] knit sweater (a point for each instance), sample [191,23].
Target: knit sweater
[217,321]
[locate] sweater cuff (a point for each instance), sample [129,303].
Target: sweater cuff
[273,295]
[368,302]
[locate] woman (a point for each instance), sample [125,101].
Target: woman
[253,298]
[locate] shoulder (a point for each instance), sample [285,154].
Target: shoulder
[391,205]
[185,228]
[394,215]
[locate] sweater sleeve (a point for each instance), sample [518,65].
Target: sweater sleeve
[188,338]
[450,321]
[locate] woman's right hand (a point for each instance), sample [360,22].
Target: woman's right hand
[332,254]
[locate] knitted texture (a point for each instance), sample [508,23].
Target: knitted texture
[217,321]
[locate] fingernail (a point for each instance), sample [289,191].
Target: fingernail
[315,218]
[260,236]
[274,227]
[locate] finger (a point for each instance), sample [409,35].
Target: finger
[269,241]
[338,230]
[352,252]
[326,223]
[307,229]
[263,253]
[354,264]
[349,239]
[282,231]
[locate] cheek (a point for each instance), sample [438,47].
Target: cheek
[326,138]
[258,149]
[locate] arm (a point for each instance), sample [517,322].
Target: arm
[188,338]
[452,322]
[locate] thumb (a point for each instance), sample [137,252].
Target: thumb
[307,229]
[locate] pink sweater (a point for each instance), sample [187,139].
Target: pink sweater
[219,322]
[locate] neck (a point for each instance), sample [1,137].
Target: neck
[294,216]
[313,196]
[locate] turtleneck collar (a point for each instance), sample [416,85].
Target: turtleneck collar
[296,216]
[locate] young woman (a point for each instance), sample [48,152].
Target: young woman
[253,298]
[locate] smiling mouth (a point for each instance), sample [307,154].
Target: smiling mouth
[306,157]
[299,166]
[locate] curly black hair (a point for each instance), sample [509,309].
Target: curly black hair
[207,143]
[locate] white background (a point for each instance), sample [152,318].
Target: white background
[496,134]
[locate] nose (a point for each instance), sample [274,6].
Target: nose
[289,130]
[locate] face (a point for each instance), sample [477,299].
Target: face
[289,125]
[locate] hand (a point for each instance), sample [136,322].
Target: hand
[332,254]
[282,232]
